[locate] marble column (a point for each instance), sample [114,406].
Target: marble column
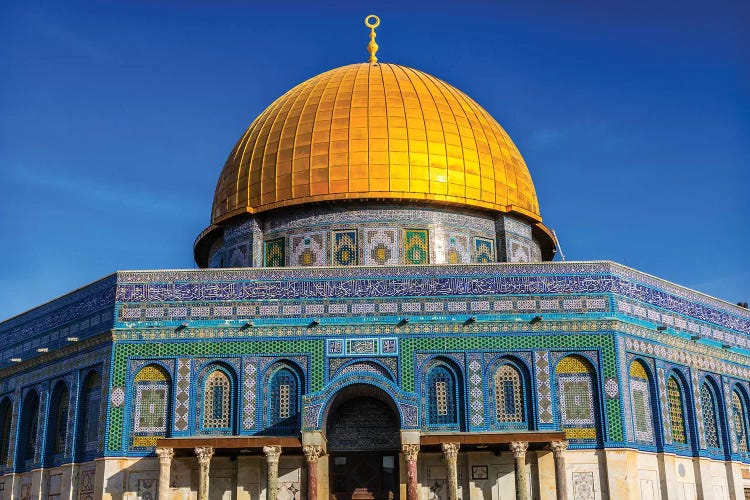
[450,455]
[165,464]
[312,453]
[204,454]
[272,460]
[410,452]
[561,480]
[519,453]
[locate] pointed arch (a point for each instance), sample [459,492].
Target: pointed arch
[6,418]
[509,397]
[577,398]
[740,418]
[57,424]
[443,401]
[28,435]
[284,384]
[217,399]
[712,428]
[89,407]
[152,388]
[641,403]
[677,415]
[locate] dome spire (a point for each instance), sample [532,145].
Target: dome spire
[372,21]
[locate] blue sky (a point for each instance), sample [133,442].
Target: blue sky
[116,118]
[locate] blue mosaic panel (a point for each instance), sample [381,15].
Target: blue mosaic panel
[345,248]
[543,387]
[484,250]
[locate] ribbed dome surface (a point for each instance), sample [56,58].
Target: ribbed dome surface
[374,131]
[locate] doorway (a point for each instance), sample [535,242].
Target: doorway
[364,438]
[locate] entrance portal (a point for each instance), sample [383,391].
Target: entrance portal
[363,443]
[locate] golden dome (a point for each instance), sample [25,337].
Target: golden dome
[374,131]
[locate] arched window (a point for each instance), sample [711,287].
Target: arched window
[151,396]
[676,411]
[640,403]
[29,423]
[710,417]
[6,414]
[89,404]
[57,423]
[217,401]
[739,414]
[509,400]
[442,397]
[576,398]
[283,388]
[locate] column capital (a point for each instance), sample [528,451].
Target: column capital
[558,448]
[450,450]
[204,454]
[410,451]
[272,453]
[165,454]
[312,452]
[519,448]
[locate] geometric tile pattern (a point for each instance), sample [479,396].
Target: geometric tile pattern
[710,424]
[250,379]
[381,247]
[182,395]
[274,253]
[457,250]
[698,408]
[308,249]
[543,387]
[640,404]
[476,393]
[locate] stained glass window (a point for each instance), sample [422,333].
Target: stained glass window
[710,422]
[151,401]
[284,408]
[441,385]
[217,401]
[90,403]
[6,411]
[576,401]
[29,421]
[640,403]
[676,412]
[740,422]
[508,395]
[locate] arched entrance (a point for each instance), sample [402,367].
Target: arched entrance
[362,429]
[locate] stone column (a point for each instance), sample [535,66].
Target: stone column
[312,453]
[519,453]
[165,464]
[450,455]
[272,460]
[204,454]
[410,452]
[561,480]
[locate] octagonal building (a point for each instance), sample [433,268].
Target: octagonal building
[376,315]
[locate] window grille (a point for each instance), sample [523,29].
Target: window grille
[676,415]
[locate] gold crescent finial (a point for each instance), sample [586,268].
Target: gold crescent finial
[372,21]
